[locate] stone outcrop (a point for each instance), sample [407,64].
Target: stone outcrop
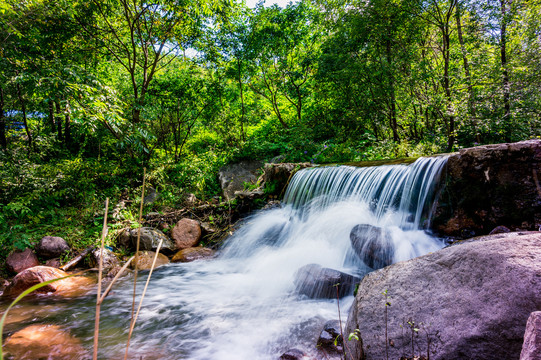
[233,177]
[491,185]
[318,282]
[51,247]
[192,254]
[469,301]
[531,349]
[186,233]
[150,238]
[277,176]
[146,258]
[373,245]
[19,260]
[38,274]
[44,342]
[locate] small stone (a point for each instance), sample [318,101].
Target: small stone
[52,246]
[55,263]
[186,233]
[18,260]
[192,254]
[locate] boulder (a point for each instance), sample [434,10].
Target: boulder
[192,254]
[150,238]
[490,185]
[469,301]
[531,348]
[330,335]
[51,247]
[233,177]
[318,282]
[39,274]
[19,260]
[110,260]
[186,233]
[44,342]
[293,354]
[146,258]
[373,245]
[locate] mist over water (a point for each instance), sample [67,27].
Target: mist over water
[243,304]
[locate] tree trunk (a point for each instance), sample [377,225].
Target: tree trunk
[392,115]
[471,95]
[503,52]
[51,116]
[3,140]
[242,134]
[25,121]
[447,86]
[67,126]
[58,122]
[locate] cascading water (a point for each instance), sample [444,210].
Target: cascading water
[243,305]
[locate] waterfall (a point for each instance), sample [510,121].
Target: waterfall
[244,304]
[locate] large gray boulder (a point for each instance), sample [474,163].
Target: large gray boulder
[531,349]
[469,301]
[488,186]
[233,177]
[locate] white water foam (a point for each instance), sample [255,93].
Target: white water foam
[243,305]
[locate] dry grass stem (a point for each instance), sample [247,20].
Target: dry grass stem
[106,292]
[100,271]
[137,245]
[132,325]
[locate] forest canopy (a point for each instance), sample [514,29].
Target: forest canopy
[93,91]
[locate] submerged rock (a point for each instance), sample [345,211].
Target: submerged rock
[293,354]
[317,282]
[470,301]
[19,260]
[51,247]
[192,254]
[39,274]
[44,342]
[331,336]
[186,233]
[146,258]
[373,245]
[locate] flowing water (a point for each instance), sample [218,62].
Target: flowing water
[243,304]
